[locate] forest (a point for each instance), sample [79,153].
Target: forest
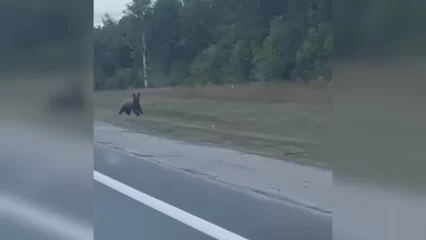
[199,42]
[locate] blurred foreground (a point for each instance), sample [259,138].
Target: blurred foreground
[46,153]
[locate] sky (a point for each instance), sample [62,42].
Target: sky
[113,7]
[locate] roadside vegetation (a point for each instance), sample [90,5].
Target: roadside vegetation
[244,74]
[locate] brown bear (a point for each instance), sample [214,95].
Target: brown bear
[132,105]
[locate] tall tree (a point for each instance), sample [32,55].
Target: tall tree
[215,41]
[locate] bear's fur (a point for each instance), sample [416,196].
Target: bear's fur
[132,105]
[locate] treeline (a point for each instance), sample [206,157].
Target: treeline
[214,42]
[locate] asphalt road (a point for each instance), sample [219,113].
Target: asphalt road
[245,214]
[41,198]
[120,217]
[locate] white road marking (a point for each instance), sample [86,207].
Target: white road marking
[49,222]
[195,222]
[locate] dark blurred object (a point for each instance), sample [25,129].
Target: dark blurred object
[71,99]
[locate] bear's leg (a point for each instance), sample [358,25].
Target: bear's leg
[135,112]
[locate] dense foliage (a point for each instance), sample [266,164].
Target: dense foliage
[214,42]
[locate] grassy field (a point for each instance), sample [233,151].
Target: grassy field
[285,121]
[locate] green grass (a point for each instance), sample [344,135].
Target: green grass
[282,121]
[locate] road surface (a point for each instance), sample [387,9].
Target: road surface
[46,192]
[282,180]
[245,214]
